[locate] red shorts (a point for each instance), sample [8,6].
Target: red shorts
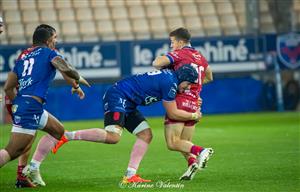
[8,105]
[186,104]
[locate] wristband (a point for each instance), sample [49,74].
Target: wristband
[195,116]
[77,87]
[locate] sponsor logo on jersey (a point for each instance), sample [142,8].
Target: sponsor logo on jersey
[150,99]
[25,83]
[36,118]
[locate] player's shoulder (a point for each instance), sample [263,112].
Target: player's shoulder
[167,77]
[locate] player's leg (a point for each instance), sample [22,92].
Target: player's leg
[174,142]
[21,180]
[174,128]
[111,134]
[25,110]
[55,131]
[114,119]
[137,125]
[16,146]
[187,134]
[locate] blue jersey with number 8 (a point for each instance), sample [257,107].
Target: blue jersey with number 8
[35,71]
[146,88]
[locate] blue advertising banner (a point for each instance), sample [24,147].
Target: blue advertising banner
[93,60]
[231,54]
[120,59]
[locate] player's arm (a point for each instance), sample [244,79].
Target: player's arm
[75,87]
[208,75]
[161,62]
[10,85]
[67,69]
[174,113]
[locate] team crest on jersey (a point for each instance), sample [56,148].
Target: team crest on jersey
[14,108]
[288,49]
[17,119]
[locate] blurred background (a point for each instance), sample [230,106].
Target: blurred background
[252,46]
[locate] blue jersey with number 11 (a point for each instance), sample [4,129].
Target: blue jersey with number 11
[35,71]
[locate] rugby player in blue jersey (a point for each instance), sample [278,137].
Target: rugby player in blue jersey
[120,107]
[33,72]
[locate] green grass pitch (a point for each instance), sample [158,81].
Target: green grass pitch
[253,152]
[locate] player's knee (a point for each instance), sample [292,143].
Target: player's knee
[15,153]
[145,135]
[112,138]
[171,144]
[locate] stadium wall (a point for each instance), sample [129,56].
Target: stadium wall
[222,96]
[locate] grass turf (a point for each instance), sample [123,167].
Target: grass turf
[253,152]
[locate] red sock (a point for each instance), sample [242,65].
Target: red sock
[191,160]
[196,150]
[19,172]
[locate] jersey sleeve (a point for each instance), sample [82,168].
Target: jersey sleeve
[173,57]
[169,91]
[53,54]
[15,68]
[204,62]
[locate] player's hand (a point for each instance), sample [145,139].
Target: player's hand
[199,102]
[83,81]
[196,116]
[199,115]
[78,91]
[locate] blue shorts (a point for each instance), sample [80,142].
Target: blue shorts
[28,115]
[115,101]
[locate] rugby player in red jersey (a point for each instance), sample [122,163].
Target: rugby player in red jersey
[179,134]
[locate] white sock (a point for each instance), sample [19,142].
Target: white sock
[35,165]
[130,172]
[70,135]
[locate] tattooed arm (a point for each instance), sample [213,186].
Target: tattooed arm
[68,71]
[65,67]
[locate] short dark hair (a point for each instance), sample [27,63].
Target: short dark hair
[181,34]
[42,33]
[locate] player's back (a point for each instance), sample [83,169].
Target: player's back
[35,71]
[188,55]
[143,89]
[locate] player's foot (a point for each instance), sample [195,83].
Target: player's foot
[24,183]
[62,141]
[34,176]
[204,156]
[134,179]
[190,172]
